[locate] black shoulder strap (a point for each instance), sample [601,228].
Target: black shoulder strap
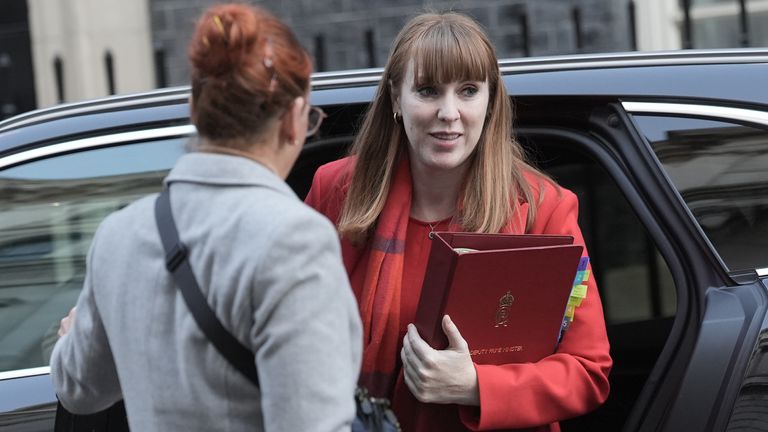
[176,262]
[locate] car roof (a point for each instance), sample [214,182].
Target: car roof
[725,75]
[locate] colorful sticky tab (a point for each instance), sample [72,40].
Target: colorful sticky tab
[583,263]
[569,312]
[579,291]
[585,275]
[578,294]
[579,277]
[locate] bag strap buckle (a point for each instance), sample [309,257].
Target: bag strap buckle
[176,256]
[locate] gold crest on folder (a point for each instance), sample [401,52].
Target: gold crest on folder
[502,313]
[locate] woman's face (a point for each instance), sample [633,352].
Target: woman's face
[443,122]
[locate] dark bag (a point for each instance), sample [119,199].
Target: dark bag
[373,414]
[110,420]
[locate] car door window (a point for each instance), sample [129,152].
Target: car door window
[719,169]
[48,215]
[634,281]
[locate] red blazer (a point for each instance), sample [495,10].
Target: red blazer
[566,384]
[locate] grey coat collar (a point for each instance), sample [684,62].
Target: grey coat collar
[224,170]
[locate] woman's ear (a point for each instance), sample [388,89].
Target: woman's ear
[292,126]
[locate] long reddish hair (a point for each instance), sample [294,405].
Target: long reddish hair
[247,68]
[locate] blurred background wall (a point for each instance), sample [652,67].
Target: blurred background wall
[54,51]
[83,49]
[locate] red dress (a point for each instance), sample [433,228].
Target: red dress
[533,396]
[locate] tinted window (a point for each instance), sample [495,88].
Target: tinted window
[721,172]
[635,283]
[49,212]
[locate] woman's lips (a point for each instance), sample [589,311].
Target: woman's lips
[445,136]
[445,141]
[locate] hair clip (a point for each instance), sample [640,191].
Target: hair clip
[268,54]
[269,64]
[219,24]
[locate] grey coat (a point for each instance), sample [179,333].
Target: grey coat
[271,270]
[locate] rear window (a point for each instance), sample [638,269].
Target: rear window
[720,170]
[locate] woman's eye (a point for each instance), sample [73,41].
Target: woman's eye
[426,91]
[469,91]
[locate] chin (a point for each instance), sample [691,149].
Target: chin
[446,163]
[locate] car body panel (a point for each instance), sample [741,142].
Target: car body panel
[731,316]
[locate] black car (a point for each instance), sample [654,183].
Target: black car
[668,153]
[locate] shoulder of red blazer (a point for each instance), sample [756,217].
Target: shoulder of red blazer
[547,194]
[334,179]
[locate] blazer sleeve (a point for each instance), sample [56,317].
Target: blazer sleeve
[82,366]
[568,383]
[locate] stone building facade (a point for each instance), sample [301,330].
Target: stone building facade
[352,34]
[54,52]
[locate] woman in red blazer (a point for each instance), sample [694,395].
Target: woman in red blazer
[436,152]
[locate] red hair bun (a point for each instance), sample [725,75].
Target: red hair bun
[247,66]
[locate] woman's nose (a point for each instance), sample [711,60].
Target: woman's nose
[448,110]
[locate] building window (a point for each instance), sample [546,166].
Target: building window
[161,76]
[109,68]
[727,24]
[370,47]
[58,71]
[320,53]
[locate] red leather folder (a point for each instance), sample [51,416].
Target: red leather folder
[507,297]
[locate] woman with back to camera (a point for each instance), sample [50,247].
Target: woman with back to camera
[436,153]
[283,297]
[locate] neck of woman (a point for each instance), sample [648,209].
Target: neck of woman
[436,193]
[259,152]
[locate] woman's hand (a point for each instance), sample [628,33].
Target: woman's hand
[446,376]
[67,322]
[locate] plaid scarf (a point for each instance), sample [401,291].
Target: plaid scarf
[380,295]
